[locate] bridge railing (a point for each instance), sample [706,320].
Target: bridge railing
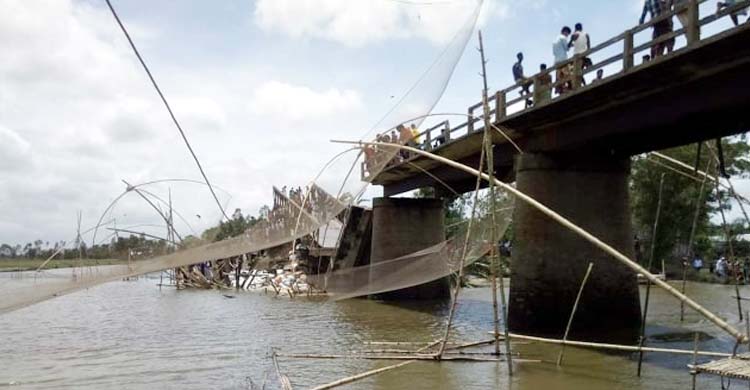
[617,55]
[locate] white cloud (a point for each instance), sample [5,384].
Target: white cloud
[15,150]
[357,23]
[285,101]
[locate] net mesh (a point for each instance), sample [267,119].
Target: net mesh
[424,266]
[342,181]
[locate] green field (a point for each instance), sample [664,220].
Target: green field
[32,264]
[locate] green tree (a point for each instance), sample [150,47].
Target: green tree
[235,226]
[679,199]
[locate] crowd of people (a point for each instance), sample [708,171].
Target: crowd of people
[575,42]
[403,135]
[578,42]
[738,269]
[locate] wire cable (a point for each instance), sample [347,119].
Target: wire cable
[166,104]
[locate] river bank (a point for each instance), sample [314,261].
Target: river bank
[18,265]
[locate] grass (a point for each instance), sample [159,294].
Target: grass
[32,264]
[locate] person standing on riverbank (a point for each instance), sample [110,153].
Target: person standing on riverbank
[697,264]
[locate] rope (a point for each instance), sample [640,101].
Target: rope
[166,104]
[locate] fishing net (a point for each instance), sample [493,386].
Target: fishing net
[342,181]
[426,265]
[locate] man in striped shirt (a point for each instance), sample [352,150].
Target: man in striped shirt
[655,8]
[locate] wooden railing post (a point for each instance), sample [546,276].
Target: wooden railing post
[577,73]
[693,29]
[627,53]
[470,117]
[500,110]
[537,91]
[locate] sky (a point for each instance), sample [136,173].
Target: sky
[260,88]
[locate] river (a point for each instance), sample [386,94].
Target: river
[134,335]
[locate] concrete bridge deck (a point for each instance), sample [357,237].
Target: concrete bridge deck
[699,92]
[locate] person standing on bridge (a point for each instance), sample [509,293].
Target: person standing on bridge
[518,76]
[656,8]
[415,135]
[734,15]
[545,85]
[560,51]
[580,42]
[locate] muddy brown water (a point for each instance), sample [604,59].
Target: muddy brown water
[134,335]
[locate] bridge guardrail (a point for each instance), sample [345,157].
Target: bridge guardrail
[570,74]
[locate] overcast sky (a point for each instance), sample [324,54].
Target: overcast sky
[260,88]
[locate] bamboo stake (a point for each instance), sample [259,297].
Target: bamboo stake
[572,313]
[693,369]
[698,203]
[283,379]
[728,234]
[574,228]
[488,145]
[465,249]
[650,264]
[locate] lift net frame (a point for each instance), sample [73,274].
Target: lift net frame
[324,199]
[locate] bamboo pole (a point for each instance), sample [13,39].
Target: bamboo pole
[464,251]
[357,377]
[698,203]
[286,384]
[423,357]
[370,373]
[693,369]
[650,264]
[616,347]
[575,229]
[572,313]
[488,145]
[728,234]
[699,172]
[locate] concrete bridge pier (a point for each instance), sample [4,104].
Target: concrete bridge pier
[401,226]
[548,261]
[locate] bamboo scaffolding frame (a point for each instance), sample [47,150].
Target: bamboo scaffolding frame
[464,251]
[489,152]
[577,230]
[728,235]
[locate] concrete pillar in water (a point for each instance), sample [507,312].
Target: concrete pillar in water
[401,226]
[549,261]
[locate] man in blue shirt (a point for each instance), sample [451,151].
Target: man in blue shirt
[560,51]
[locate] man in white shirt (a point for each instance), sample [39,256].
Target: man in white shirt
[581,43]
[560,50]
